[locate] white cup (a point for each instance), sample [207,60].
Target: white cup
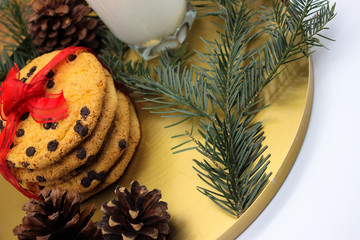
[144,24]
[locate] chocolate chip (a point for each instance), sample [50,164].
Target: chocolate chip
[12,145]
[10,164]
[32,70]
[72,57]
[84,112]
[25,116]
[30,151]
[40,179]
[54,125]
[1,125]
[47,126]
[85,182]
[23,79]
[81,154]
[25,164]
[80,129]
[31,170]
[51,125]
[92,175]
[41,187]
[122,144]
[20,132]
[50,74]
[50,83]
[52,145]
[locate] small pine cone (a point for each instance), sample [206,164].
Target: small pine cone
[57,217]
[135,215]
[56,24]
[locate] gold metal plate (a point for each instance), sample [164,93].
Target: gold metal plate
[194,216]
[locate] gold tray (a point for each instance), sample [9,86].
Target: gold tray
[194,216]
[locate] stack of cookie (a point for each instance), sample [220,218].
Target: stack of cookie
[89,149]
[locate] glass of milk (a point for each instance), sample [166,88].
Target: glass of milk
[148,26]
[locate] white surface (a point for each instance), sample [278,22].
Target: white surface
[320,199]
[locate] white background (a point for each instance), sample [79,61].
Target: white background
[320,199]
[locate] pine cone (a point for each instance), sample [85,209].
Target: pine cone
[135,215]
[57,217]
[56,24]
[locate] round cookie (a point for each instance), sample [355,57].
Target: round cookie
[83,81]
[119,167]
[83,152]
[113,147]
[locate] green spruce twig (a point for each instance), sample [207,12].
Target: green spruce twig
[234,144]
[18,46]
[224,94]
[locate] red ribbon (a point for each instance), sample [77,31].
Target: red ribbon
[17,98]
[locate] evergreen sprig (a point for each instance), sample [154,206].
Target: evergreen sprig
[239,169]
[18,46]
[236,173]
[224,95]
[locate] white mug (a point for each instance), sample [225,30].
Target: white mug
[143,23]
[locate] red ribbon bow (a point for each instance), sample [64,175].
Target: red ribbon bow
[18,98]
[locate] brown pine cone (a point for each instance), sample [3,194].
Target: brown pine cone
[135,215]
[57,216]
[56,24]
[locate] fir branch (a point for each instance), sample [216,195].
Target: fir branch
[224,95]
[13,15]
[233,143]
[228,143]
[294,33]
